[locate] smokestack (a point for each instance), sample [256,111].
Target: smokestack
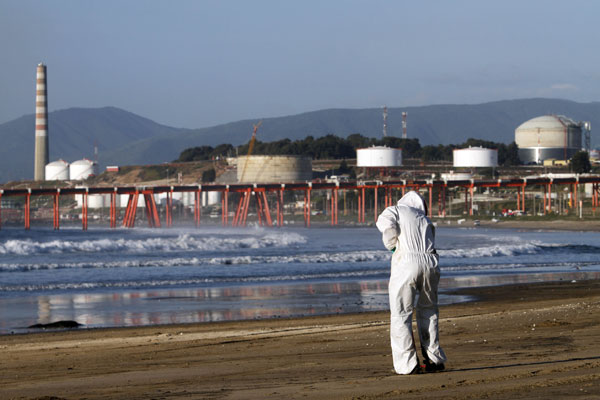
[41,124]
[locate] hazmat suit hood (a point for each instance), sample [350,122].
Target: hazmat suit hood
[414,200]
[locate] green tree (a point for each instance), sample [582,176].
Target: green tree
[580,163]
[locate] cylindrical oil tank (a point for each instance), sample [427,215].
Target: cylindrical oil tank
[82,169]
[94,201]
[211,198]
[267,169]
[475,157]
[57,171]
[378,156]
[548,137]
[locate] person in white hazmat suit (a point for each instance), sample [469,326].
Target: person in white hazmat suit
[408,232]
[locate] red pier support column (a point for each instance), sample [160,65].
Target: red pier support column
[151,210]
[550,197]
[336,208]
[113,208]
[27,209]
[307,207]
[358,202]
[238,211]
[430,208]
[169,209]
[224,205]
[266,208]
[84,211]
[362,205]
[129,219]
[280,206]
[375,208]
[197,206]
[1,192]
[56,210]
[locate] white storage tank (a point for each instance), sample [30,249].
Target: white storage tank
[211,198]
[548,136]
[57,171]
[95,201]
[378,156]
[475,157]
[82,169]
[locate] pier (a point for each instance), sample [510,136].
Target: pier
[269,198]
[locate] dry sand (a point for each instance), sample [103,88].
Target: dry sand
[535,341]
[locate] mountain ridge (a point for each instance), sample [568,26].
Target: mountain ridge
[125,138]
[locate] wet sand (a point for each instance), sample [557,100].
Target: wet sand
[532,341]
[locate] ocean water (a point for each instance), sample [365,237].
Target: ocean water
[125,277]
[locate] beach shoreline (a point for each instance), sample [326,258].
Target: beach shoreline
[531,340]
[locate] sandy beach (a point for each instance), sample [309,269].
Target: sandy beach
[522,341]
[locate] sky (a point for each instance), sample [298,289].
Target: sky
[198,63]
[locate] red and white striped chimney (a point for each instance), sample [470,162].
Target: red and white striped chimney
[41,124]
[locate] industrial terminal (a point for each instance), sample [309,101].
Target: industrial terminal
[277,189]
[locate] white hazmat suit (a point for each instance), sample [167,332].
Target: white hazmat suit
[408,232]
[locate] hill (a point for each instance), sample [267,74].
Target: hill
[124,138]
[73,134]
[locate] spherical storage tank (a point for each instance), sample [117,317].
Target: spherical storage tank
[57,171]
[82,169]
[475,157]
[548,137]
[378,156]
[265,169]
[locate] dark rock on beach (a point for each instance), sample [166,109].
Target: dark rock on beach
[56,325]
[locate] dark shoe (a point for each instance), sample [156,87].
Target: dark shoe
[416,370]
[431,367]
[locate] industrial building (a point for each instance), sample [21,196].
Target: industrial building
[475,157]
[378,157]
[549,137]
[263,169]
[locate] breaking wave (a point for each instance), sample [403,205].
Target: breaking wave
[515,249]
[308,258]
[185,242]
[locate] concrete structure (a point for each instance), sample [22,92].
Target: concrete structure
[266,169]
[57,171]
[457,176]
[82,169]
[41,124]
[378,157]
[475,157]
[549,136]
